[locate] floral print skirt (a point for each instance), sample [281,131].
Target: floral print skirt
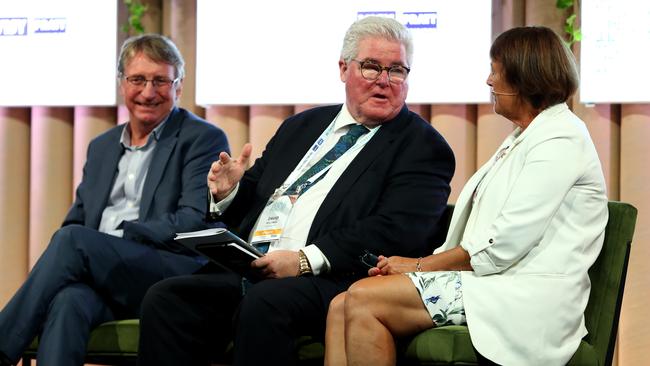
[442,295]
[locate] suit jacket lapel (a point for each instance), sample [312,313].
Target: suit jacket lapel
[163,150]
[105,177]
[462,209]
[471,193]
[302,139]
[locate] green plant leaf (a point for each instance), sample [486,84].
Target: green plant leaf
[577,35]
[573,33]
[134,20]
[571,19]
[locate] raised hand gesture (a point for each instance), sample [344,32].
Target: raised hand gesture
[226,172]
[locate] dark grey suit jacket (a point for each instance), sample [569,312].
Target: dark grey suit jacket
[387,201]
[173,197]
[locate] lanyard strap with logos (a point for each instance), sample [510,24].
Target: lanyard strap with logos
[277,210]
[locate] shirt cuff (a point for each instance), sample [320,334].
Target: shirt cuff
[117,232]
[221,206]
[317,260]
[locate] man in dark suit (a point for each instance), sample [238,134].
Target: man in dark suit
[143,181]
[333,182]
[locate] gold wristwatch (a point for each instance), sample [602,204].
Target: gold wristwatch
[304,268]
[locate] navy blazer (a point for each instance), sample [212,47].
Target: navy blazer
[387,201]
[173,197]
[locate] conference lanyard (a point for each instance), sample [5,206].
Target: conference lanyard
[275,215]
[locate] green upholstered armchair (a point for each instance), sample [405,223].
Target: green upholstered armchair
[116,343]
[451,345]
[112,343]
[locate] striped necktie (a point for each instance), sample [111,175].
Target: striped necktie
[301,185]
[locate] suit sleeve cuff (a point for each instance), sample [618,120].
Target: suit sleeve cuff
[479,259]
[478,249]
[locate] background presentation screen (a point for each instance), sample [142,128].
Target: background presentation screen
[615,51]
[58,53]
[287,51]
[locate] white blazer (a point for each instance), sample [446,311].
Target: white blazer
[536,226]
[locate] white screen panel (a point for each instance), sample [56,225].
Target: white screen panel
[287,51]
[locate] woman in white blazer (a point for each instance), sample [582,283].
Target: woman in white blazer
[525,230]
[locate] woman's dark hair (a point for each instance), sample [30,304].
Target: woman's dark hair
[537,64]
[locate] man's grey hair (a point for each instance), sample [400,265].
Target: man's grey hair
[156,47]
[374,26]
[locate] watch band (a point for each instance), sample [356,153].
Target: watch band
[304,268]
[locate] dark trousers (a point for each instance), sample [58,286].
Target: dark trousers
[190,320]
[83,278]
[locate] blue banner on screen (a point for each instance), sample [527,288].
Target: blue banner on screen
[287,51]
[58,53]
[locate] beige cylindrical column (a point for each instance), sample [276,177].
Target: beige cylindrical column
[50,175]
[233,120]
[152,19]
[545,13]
[603,123]
[302,107]
[14,195]
[264,121]
[457,123]
[424,110]
[507,14]
[167,7]
[490,127]
[491,130]
[183,32]
[634,336]
[88,123]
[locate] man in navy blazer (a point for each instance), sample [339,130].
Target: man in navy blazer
[384,195]
[143,181]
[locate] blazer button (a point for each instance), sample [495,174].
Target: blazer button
[491,241]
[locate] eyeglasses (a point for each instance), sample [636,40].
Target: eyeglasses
[159,83]
[371,71]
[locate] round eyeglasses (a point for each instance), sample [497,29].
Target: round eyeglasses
[371,71]
[159,83]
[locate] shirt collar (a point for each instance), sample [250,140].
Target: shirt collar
[344,118]
[125,138]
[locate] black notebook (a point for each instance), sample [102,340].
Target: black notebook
[221,247]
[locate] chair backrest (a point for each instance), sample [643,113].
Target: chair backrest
[608,280]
